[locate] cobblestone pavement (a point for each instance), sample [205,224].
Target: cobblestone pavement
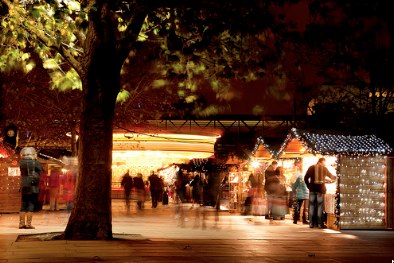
[200,235]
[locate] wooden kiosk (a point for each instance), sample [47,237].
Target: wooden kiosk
[359,198]
[9,181]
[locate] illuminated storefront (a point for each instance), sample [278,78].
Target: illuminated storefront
[142,153]
[358,199]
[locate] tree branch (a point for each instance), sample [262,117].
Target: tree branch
[133,29]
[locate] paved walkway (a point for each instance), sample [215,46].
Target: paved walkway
[158,235]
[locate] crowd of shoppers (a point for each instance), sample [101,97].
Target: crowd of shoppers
[267,195]
[304,193]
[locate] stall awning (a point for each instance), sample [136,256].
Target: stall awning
[263,150]
[303,142]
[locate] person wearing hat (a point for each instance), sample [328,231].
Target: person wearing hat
[31,170]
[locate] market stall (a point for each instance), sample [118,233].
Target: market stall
[10,196]
[358,199]
[230,185]
[9,180]
[240,172]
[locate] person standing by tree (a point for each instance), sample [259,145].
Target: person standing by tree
[127,184]
[31,170]
[315,179]
[69,188]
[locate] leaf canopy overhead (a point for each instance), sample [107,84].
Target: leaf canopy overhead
[201,39]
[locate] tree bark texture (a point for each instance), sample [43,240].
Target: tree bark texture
[91,217]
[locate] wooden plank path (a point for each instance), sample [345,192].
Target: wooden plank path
[158,236]
[200,250]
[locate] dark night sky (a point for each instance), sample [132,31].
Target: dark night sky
[264,96]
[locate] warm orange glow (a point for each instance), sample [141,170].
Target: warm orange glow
[142,153]
[165,137]
[161,158]
[255,164]
[165,142]
[383,94]
[293,149]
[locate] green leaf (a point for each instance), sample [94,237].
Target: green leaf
[123,95]
[159,83]
[50,64]
[35,13]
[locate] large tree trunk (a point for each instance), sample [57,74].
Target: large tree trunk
[91,217]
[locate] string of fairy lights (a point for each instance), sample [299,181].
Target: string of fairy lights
[260,141]
[332,144]
[362,191]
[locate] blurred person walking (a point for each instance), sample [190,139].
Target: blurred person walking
[69,188]
[197,186]
[180,191]
[252,185]
[280,207]
[54,187]
[139,188]
[43,195]
[127,184]
[271,186]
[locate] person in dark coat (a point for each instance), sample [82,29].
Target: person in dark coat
[180,186]
[31,170]
[139,187]
[127,184]
[315,179]
[156,187]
